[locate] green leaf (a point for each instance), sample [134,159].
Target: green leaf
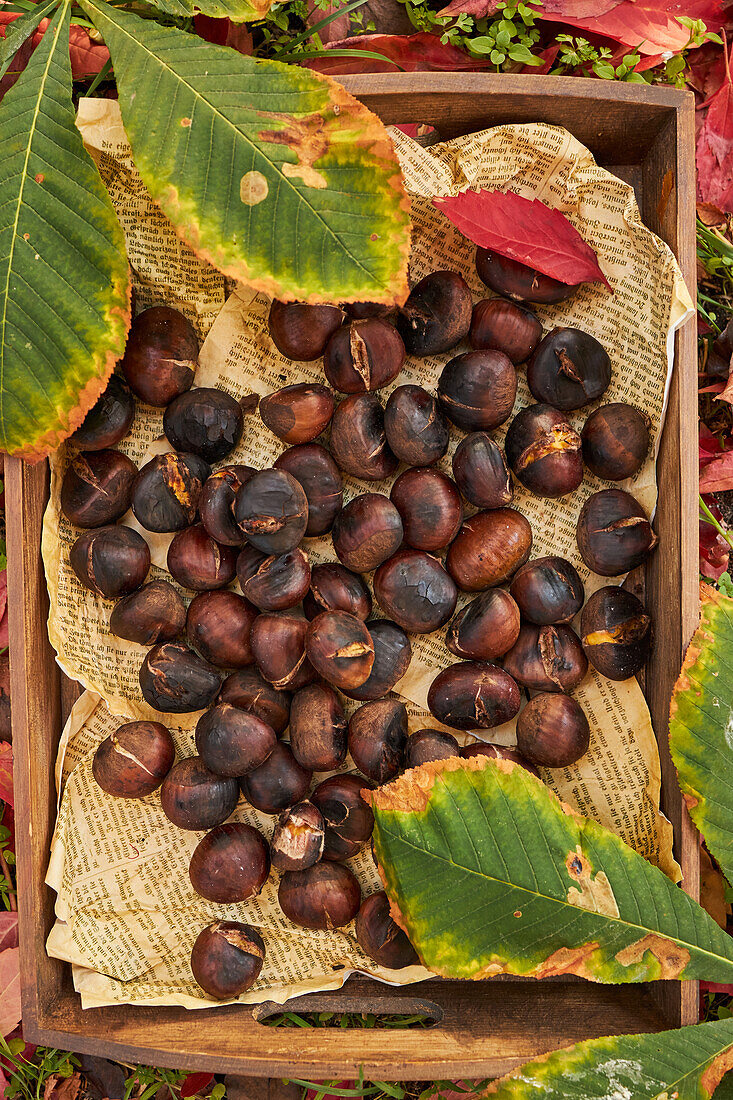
[275,174]
[239,11]
[64,298]
[522,53]
[539,890]
[19,31]
[686,1064]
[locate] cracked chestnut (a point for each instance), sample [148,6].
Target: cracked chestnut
[547,658]
[166,492]
[272,511]
[616,632]
[322,897]
[230,864]
[227,958]
[544,451]
[333,587]
[615,441]
[155,613]
[380,937]
[278,645]
[430,507]
[429,744]
[553,731]
[348,818]
[414,589]
[489,548]
[477,390]
[569,369]
[518,281]
[298,414]
[199,562]
[548,590]
[358,439]
[278,783]
[377,739]
[250,691]
[134,760]
[111,561]
[614,533]
[194,798]
[497,752]
[312,466]
[486,628]
[298,838]
[473,695]
[160,356]
[218,626]
[109,419]
[300,331]
[367,532]
[392,655]
[97,487]
[481,472]
[216,504]
[176,680]
[363,355]
[436,315]
[340,648]
[317,728]
[273,583]
[204,421]
[500,325]
[416,428]
[232,742]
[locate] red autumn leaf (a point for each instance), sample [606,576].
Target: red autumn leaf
[416,130]
[6,773]
[716,987]
[222,32]
[421,52]
[479,9]
[194,1083]
[548,60]
[525,230]
[9,989]
[8,930]
[87,57]
[714,552]
[715,147]
[651,26]
[716,462]
[3,609]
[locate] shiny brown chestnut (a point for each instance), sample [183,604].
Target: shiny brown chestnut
[198,562]
[318,728]
[486,628]
[161,355]
[497,752]
[615,441]
[489,548]
[176,680]
[518,281]
[298,414]
[300,331]
[548,590]
[481,472]
[111,561]
[165,494]
[553,731]
[134,760]
[416,429]
[377,738]
[429,744]
[547,658]
[358,439]
[333,587]
[216,504]
[278,783]
[97,487]
[348,818]
[272,510]
[194,798]
[340,648]
[569,369]
[436,315]
[278,645]
[473,695]
[392,655]
[155,613]
[415,590]
[230,864]
[477,390]
[312,466]
[205,421]
[363,355]
[227,958]
[616,632]
[298,838]
[218,626]
[380,937]
[360,310]
[322,897]
[544,451]
[367,532]
[500,325]
[232,742]
[275,582]
[613,532]
[108,421]
[429,505]
[250,691]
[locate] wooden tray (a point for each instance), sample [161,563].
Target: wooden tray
[646,136]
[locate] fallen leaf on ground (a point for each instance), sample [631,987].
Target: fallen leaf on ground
[715,147]
[710,215]
[222,32]
[421,52]
[714,552]
[650,26]
[382,16]
[712,889]
[8,930]
[195,1083]
[716,462]
[63,1088]
[9,989]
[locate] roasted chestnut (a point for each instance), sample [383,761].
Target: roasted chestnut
[111,561]
[367,532]
[312,466]
[553,731]
[165,494]
[615,441]
[322,897]
[198,562]
[232,742]
[194,798]
[298,838]
[548,590]
[206,422]
[216,504]
[160,356]
[317,728]
[497,752]
[416,428]
[430,507]
[333,587]
[348,818]
[380,937]
[436,315]
[616,632]
[489,548]
[569,369]
[486,628]
[230,864]
[227,958]
[340,648]
[248,690]
[614,534]
[518,281]
[392,655]
[97,487]
[278,783]
[415,590]
[108,421]
[300,331]
[198,467]
[273,583]
[473,695]
[272,510]
[155,613]
[358,439]
[134,760]
[363,355]
[360,310]
[544,451]
[377,738]
[278,645]
[500,325]
[481,472]
[218,626]
[298,414]
[428,745]
[176,680]
[547,658]
[477,389]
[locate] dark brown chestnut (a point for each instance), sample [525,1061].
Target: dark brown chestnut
[194,798]
[477,390]
[333,587]
[322,897]
[340,648]
[544,451]
[415,590]
[298,838]
[97,487]
[278,645]
[300,331]
[358,439]
[417,430]
[436,315]
[232,742]
[161,355]
[248,690]
[616,632]
[377,738]
[134,760]
[548,590]
[348,818]
[216,504]
[218,626]
[155,613]
[486,628]
[547,658]
[473,695]
[317,728]
[518,281]
[204,421]
[569,369]
[298,414]
[428,745]
[500,325]
[198,562]
[497,752]
[363,355]
[227,958]
[367,532]
[111,561]
[273,583]
[272,510]
[430,507]
[108,421]
[176,680]
[553,731]
[615,441]
[481,472]
[613,532]
[230,864]
[380,937]
[489,548]
[165,494]
[312,466]
[278,783]
[360,310]
[392,655]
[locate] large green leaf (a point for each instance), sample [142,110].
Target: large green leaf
[701,726]
[686,1064]
[274,174]
[64,306]
[490,874]
[19,31]
[237,10]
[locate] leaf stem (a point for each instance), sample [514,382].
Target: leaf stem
[708,517]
